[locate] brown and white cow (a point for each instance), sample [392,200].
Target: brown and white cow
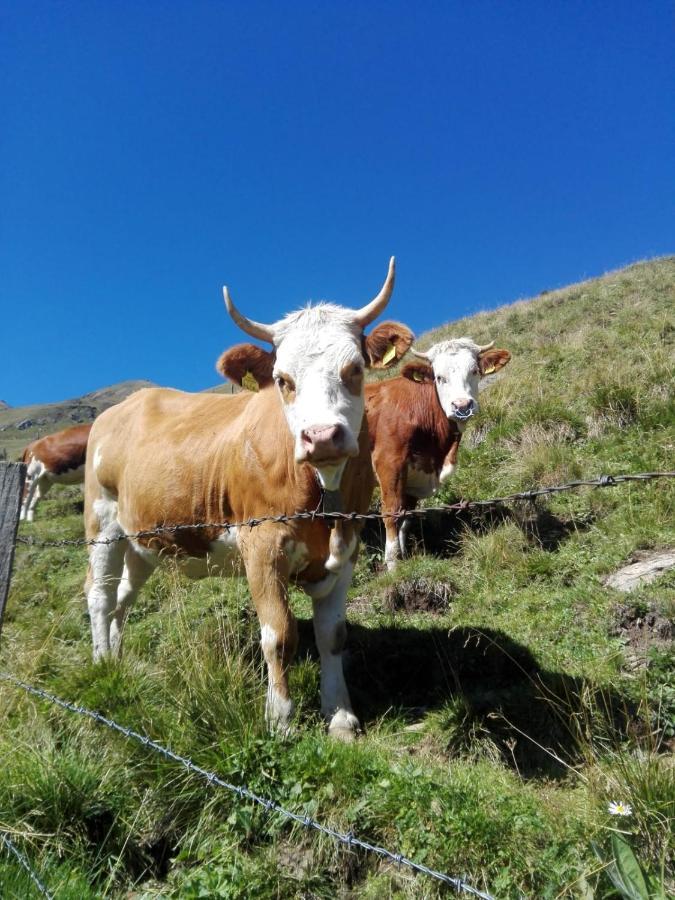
[416,422]
[55,459]
[165,457]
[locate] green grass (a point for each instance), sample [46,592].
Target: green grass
[500,712]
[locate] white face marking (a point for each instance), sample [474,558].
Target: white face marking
[313,348]
[457,374]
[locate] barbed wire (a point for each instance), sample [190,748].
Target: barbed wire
[461,505]
[4,839]
[244,793]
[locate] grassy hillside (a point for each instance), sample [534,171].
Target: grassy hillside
[507,694]
[22,424]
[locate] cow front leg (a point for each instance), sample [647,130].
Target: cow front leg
[330,631]
[392,487]
[404,526]
[268,581]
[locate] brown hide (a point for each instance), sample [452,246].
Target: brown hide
[62,451]
[171,457]
[407,425]
[406,422]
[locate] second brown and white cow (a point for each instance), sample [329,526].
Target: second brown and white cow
[54,459]
[165,457]
[416,422]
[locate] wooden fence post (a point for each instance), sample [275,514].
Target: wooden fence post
[12,477]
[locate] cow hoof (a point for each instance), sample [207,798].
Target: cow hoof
[344,726]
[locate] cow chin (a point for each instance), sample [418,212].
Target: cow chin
[330,474]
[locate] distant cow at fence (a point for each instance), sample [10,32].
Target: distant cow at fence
[165,457]
[55,459]
[416,422]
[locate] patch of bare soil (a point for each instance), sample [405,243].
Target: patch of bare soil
[418,595]
[641,630]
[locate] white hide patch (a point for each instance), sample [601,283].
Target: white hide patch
[106,510]
[268,639]
[330,476]
[340,554]
[420,484]
[446,472]
[297,555]
[222,558]
[98,458]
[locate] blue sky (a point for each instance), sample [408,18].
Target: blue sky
[151,152]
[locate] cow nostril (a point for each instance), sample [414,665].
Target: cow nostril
[464,408]
[322,435]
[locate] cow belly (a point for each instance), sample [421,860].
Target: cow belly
[420,484]
[70,476]
[223,558]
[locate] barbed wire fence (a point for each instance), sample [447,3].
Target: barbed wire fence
[23,862]
[244,793]
[9,510]
[601,482]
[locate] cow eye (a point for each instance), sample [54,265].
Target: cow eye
[439,379]
[475,370]
[281,382]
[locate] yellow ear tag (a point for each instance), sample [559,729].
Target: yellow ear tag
[490,370]
[249,382]
[389,354]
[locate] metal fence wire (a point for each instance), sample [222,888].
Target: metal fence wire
[601,482]
[244,793]
[14,850]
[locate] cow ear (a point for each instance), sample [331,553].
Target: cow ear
[386,344]
[247,365]
[419,372]
[493,360]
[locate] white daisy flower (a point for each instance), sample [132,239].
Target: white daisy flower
[617,808]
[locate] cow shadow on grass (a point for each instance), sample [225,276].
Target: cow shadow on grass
[486,690]
[440,533]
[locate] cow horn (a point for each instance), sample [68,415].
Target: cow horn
[255,329]
[372,310]
[486,347]
[420,354]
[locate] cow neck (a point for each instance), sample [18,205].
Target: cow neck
[329,501]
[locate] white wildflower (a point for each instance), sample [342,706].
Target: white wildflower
[617,808]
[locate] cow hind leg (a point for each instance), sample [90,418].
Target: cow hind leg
[106,562]
[37,489]
[137,569]
[330,631]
